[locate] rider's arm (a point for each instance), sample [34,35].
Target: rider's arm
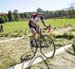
[42,20]
[47,27]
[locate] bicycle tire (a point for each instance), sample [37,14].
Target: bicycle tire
[26,56]
[44,47]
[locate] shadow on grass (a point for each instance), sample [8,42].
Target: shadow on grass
[30,58]
[33,61]
[69,52]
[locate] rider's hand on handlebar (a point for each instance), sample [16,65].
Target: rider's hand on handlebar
[48,28]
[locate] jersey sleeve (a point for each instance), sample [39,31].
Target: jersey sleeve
[42,19]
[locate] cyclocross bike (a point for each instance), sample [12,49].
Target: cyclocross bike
[45,43]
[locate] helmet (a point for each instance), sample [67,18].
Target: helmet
[39,11]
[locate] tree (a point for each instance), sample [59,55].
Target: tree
[6,18]
[25,15]
[16,15]
[3,18]
[72,9]
[10,16]
[22,15]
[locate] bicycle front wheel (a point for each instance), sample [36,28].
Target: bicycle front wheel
[47,47]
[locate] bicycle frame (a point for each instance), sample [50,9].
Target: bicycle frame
[48,28]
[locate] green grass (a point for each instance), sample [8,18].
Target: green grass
[10,27]
[13,26]
[60,22]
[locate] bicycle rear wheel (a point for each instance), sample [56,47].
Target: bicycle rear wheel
[47,46]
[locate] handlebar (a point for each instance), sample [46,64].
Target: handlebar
[48,28]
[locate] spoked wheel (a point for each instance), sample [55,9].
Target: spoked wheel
[47,46]
[33,45]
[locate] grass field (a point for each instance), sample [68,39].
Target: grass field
[11,27]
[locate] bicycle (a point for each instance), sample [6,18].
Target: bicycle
[45,43]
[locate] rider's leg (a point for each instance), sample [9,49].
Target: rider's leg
[38,36]
[33,31]
[38,31]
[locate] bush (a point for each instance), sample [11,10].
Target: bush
[2,19]
[6,18]
[68,36]
[65,35]
[3,34]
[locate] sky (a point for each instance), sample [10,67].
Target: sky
[32,5]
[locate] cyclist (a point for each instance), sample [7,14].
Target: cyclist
[34,27]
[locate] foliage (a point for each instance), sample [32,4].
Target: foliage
[3,18]
[52,14]
[16,15]
[65,35]
[10,16]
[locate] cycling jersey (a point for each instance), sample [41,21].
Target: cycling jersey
[33,23]
[34,19]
